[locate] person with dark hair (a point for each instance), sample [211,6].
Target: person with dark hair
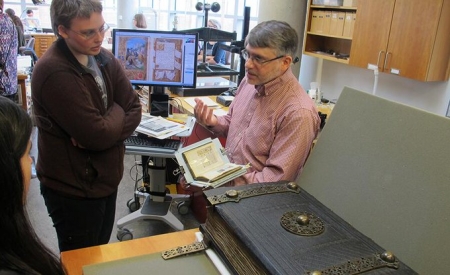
[30,22]
[19,26]
[21,251]
[272,122]
[214,54]
[85,107]
[139,21]
[8,56]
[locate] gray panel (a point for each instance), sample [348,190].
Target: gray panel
[384,168]
[197,263]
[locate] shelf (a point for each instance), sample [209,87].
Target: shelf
[333,7]
[331,36]
[327,57]
[329,32]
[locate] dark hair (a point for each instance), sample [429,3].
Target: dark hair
[16,20]
[277,35]
[20,248]
[30,11]
[63,11]
[10,12]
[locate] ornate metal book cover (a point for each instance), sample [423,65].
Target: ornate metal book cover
[278,228]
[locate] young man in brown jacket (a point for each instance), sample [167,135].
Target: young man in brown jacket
[85,108]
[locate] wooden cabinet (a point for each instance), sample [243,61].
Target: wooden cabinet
[410,38]
[43,42]
[329,31]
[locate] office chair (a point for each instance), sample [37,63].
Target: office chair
[28,49]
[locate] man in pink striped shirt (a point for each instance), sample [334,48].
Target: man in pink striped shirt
[272,122]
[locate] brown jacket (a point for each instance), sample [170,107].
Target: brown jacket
[67,104]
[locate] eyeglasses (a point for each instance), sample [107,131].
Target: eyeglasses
[256,59]
[89,34]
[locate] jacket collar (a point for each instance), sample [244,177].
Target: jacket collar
[102,59]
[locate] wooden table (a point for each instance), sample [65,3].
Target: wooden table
[74,260]
[21,81]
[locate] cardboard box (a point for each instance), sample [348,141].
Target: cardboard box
[318,2]
[328,2]
[350,3]
[333,2]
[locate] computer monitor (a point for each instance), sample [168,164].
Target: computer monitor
[157,58]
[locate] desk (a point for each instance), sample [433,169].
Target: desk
[74,260]
[21,81]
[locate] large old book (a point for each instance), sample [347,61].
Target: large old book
[278,228]
[206,164]
[384,168]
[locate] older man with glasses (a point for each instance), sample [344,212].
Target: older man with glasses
[272,122]
[85,107]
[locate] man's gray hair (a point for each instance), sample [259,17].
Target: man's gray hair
[63,11]
[215,23]
[277,35]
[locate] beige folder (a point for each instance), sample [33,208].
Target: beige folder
[317,21]
[326,22]
[347,31]
[334,23]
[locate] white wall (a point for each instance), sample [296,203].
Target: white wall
[126,9]
[433,97]
[291,11]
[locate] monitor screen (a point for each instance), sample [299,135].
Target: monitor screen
[157,58]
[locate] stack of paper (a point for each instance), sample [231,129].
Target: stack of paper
[159,127]
[206,100]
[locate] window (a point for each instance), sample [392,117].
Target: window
[162,14]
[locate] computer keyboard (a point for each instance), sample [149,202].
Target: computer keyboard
[148,145]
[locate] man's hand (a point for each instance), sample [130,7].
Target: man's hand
[203,114]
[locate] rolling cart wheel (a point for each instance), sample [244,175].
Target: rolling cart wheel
[133,204]
[124,235]
[183,207]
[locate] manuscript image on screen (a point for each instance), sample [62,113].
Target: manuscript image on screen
[151,59]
